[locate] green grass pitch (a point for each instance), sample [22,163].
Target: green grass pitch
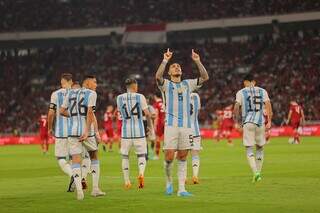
[31,182]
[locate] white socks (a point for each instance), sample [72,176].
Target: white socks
[95,167]
[76,172]
[182,173]
[65,166]
[251,159]
[142,164]
[168,171]
[195,165]
[259,158]
[85,167]
[125,169]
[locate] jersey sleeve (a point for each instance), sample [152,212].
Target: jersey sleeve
[193,84]
[92,100]
[163,86]
[239,98]
[53,101]
[265,96]
[144,104]
[118,103]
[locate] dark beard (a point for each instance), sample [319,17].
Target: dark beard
[177,75]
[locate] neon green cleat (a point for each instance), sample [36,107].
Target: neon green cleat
[257,177]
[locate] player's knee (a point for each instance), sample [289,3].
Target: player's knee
[249,150]
[182,154]
[194,153]
[141,155]
[93,155]
[259,153]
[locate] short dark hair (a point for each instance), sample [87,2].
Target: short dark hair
[130,81]
[88,77]
[248,77]
[67,76]
[75,83]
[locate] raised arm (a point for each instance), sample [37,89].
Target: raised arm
[159,74]
[202,70]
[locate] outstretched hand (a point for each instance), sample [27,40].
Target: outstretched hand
[167,55]
[195,56]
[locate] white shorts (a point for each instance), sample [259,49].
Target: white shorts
[178,138]
[61,147]
[253,135]
[76,147]
[196,143]
[140,145]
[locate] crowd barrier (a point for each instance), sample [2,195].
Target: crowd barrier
[310,130]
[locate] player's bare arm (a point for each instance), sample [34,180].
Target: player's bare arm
[89,121]
[51,114]
[236,114]
[159,74]
[149,119]
[96,128]
[289,117]
[202,70]
[269,114]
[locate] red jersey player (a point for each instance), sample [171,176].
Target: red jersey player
[219,115]
[227,123]
[118,117]
[295,118]
[108,126]
[158,122]
[44,137]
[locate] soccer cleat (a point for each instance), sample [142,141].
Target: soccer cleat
[169,189]
[195,180]
[84,184]
[72,185]
[80,195]
[257,177]
[127,186]
[184,194]
[141,181]
[97,193]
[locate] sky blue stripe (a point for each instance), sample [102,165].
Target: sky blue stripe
[60,120]
[124,121]
[188,97]
[180,107]
[196,112]
[246,105]
[170,103]
[79,122]
[260,121]
[141,127]
[86,103]
[131,118]
[70,120]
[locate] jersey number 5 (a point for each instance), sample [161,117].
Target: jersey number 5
[257,103]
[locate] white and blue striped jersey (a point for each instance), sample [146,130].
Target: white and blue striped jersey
[252,101]
[130,106]
[195,108]
[77,102]
[61,122]
[177,100]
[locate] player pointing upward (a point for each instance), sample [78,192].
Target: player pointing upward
[178,135]
[252,99]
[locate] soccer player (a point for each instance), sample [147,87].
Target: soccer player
[44,137]
[132,105]
[178,135]
[227,123]
[117,114]
[219,115]
[295,119]
[60,131]
[195,108]
[252,100]
[151,136]
[108,126]
[159,122]
[83,132]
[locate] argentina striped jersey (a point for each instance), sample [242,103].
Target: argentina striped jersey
[131,106]
[195,108]
[77,102]
[177,101]
[61,122]
[251,100]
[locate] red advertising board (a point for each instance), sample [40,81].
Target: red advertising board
[310,130]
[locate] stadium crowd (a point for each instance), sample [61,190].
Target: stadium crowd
[288,67]
[23,15]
